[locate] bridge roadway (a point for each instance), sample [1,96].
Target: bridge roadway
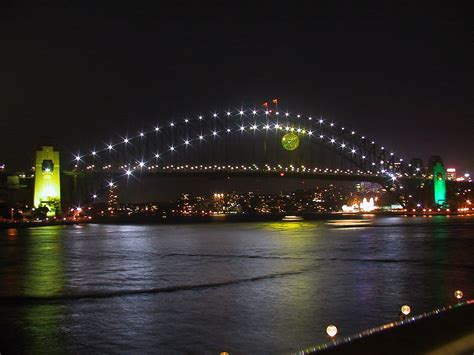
[225,173]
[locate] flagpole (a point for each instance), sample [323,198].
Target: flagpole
[275,101]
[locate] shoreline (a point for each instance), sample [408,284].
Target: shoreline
[150,220]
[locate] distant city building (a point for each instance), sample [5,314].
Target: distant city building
[371,187]
[450,174]
[112,199]
[218,203]
[189,205]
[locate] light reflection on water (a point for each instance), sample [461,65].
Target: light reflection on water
[350,223]
[249,287]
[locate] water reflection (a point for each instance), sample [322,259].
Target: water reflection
[43,328]
[350,223]
[44,277]
[12,232]
[34,269]
[43,266]
[291,228]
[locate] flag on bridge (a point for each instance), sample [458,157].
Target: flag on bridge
[275,102]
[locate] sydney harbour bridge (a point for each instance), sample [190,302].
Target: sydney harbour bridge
[246,142]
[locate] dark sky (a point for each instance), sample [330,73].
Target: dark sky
[79,71]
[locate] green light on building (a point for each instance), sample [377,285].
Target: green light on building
[439,184]
[47,180]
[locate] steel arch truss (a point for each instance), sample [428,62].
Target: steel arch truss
[245,140]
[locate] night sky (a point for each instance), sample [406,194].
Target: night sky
[79,72]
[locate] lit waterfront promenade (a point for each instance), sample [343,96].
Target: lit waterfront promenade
[448,330]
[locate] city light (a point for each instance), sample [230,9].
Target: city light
[331,330]
[405,309]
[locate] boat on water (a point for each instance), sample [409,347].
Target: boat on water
[292,218]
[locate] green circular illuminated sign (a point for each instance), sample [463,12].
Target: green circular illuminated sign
[290,141]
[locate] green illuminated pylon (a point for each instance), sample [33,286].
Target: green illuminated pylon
[439,184]
[47,180]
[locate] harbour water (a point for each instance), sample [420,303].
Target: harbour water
[266,287]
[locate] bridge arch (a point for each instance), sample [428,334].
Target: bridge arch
[244,141]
